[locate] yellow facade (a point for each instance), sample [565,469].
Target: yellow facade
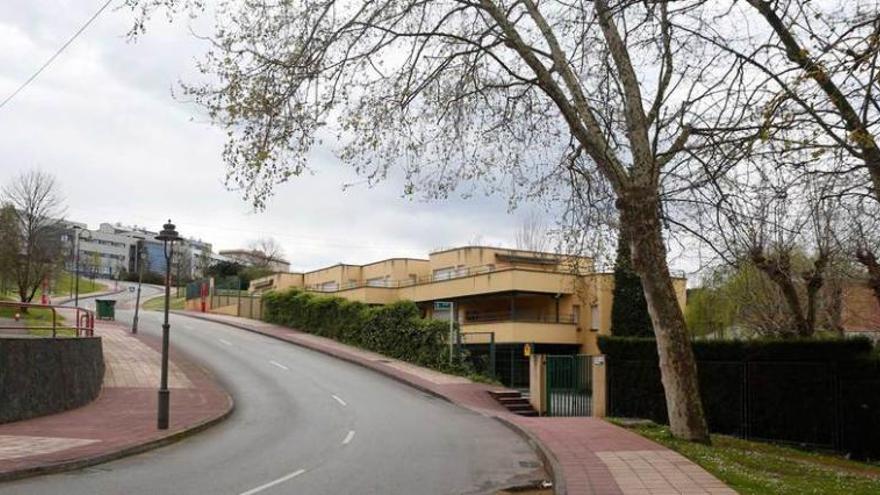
[517,296]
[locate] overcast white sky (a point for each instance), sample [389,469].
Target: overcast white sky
[102,119]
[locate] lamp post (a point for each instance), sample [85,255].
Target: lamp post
[168,236]
[76,229]
[139,257]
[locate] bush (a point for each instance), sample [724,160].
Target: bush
[818,392]
[395,330]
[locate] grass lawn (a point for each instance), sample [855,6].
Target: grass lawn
[763,468]
[37,317]
[158,303]
[62,287]
[63,284]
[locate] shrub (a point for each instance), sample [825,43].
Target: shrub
[395,330]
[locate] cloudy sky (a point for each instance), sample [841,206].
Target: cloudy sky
[103,120]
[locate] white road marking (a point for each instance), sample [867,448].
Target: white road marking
[275,482]
[340,401]
[275,363]
[348,437]
[224,341]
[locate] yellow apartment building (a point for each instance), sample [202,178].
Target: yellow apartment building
[556,304]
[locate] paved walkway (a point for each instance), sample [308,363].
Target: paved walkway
[122,420]
[588,455]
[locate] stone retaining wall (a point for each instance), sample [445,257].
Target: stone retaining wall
[40,376]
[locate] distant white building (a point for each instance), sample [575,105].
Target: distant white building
[111,249]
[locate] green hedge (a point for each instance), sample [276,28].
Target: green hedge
[822,393]
[744,350]
[395,330]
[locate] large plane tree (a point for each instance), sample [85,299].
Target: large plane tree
[598,99]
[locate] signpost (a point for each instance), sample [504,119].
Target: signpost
[448,305]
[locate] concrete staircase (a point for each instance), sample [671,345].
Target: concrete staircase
[514,402]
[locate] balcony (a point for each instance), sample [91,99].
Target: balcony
[508,332]
[475,317]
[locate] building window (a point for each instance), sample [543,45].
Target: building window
[444,273]
[594,317]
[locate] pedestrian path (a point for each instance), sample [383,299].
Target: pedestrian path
[122,420]
[587,455]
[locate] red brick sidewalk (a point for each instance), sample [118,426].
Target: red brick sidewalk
[587,455]
[122,421]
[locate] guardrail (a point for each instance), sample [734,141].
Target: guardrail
[516,316]
[84,319]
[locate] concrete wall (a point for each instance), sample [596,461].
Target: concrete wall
[40,376]
[277,281]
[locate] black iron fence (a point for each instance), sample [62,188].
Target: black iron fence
[830,402]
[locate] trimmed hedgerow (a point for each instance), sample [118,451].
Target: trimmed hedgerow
[824,393]
[396,330]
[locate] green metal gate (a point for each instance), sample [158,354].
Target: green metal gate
[569,385]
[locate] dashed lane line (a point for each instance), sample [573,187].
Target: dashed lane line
[340,401]
[274,482]
[279,365]
[348,437]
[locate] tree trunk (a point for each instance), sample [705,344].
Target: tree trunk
[869,260]
[640,219]
[780,273]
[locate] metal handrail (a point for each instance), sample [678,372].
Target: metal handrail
[84,319]
[461,273]
[526,317]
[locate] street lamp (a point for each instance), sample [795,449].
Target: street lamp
[139,257]
[76,229]
[168,236]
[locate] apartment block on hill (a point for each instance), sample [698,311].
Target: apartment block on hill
[554,304]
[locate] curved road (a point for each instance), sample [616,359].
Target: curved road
[306,423]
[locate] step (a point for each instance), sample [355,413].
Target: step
[498,394]
[518,409]
[513,401]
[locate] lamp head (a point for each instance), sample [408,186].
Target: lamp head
[168,233]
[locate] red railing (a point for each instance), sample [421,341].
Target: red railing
[83,319]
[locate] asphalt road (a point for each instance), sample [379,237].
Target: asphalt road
[306,423]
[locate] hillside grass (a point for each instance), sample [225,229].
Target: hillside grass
[763,468]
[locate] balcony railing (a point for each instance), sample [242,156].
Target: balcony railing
[434,277]
[449,275]
[517,316]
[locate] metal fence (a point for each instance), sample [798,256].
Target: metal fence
[569,385]
[83,324]
[821,404]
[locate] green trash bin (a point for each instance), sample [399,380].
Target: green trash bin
[106,309]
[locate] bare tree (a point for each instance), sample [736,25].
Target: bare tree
[10,246]
[825,61]
[785,225]
[532,233]
[591,96]
[38,208]
[265,251]
[863,238]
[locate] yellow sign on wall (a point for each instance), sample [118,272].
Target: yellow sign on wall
[527,350]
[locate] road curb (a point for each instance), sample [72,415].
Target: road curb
[551,464]
[74,464]
[92,295]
